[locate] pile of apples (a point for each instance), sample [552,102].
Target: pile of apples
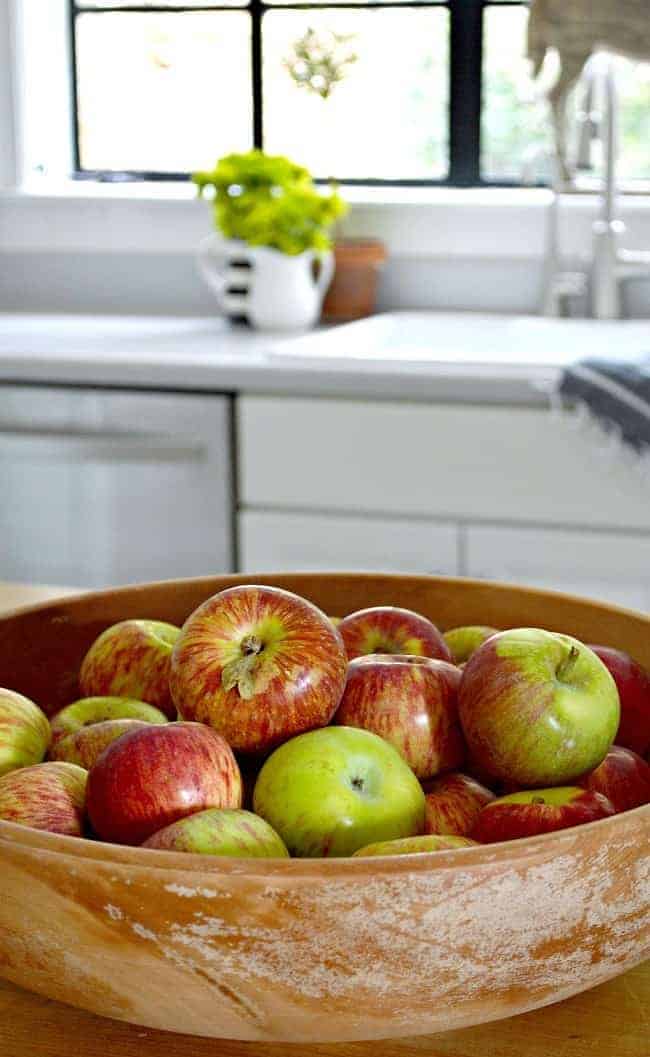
[374,734]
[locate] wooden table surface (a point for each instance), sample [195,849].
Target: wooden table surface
[612,1020]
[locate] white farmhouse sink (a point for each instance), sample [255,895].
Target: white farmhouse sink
[466,339]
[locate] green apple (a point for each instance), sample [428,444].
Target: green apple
[24,732]
[226,831]
[88,711]
[464,641]
[415,845]
[537,708]
[333,790]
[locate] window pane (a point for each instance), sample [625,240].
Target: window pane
[386,118]
[633,83]
[163,93]
[515,121]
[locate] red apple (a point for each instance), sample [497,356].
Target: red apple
[623,777]
[415,845]
[411,702]
[633,684]
[465,641]
[85,746]
[388,629]
[89,711]
[49,796]
[537,811]
[151,777]
[24,732]
[537,708]
[453,804]
[131,659]
[259,665]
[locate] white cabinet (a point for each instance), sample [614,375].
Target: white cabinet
[310,542]
[102,487]
[505,493]
[443,461]
[609,567]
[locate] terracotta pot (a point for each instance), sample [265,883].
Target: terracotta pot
[320,950]
[353,290]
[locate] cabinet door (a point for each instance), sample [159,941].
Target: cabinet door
[102,487]
[272,541]
[606,566]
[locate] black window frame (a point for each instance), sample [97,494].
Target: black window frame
[465,83]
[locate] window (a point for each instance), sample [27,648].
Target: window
[411,92]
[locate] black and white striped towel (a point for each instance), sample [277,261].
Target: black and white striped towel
[616,393]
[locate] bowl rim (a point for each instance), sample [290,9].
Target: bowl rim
[481,856]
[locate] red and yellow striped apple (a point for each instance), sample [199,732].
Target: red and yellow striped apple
[48,796]
[453,803]
[389,629]
[151,777]
[416,845]
[537,708]
[623,777]
[24,732]
[411,702]
[536,811]
[259,665]
[633,684]
[85,746]
[226,831]
[131,659]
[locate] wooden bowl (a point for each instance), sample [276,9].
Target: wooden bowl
[320,950]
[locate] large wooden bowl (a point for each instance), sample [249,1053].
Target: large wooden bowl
[318,950]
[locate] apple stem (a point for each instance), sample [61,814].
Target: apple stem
[564,667]
[240,673]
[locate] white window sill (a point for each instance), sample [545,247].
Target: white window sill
[429,222]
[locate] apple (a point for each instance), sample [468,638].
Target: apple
[537,708]
[91,710]
[453,803]
[151,777]
[228,831]
[49,796]
[411,702]
[414,845]
[464,641]
[633,684]
[333,790]
[623,777]
[85,746]
[259,665]
[24,732]
[388,629]
[535,811]
[131,659]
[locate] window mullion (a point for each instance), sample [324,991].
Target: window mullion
[465,92]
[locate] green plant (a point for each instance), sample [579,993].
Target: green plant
[268,200]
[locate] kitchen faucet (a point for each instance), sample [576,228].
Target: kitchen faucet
[611,264]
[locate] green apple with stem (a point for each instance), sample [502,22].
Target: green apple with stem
[537,708]
[226,831]
[333,790]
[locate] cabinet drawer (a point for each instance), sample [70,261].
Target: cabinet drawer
[609,567]
[445,461]
[311,542]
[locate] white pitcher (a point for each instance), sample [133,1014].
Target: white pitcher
[275,291]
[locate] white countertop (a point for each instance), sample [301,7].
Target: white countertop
[408,355]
